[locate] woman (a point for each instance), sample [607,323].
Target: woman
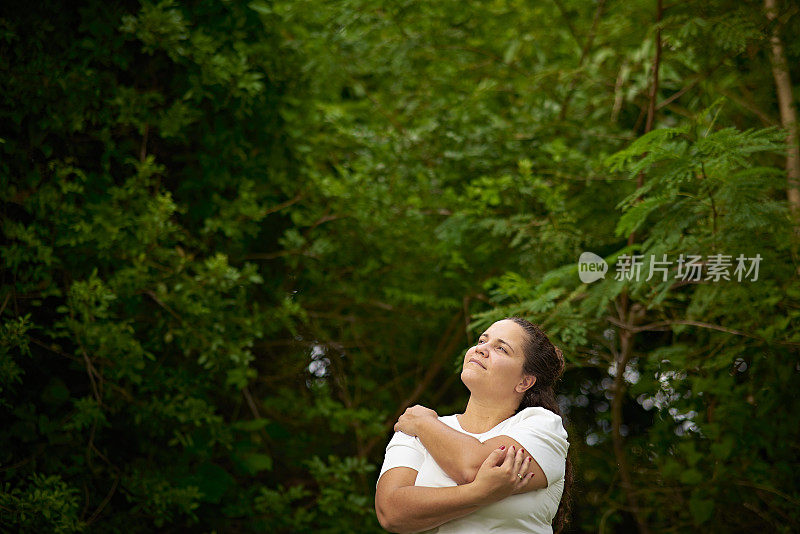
[501,466]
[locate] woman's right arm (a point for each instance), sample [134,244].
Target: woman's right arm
[403,507]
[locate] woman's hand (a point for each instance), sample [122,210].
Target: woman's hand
[503,473]
[410,421]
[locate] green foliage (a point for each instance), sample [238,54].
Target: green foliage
[13,340]
[237,234]
[41,504]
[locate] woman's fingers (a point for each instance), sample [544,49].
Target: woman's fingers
[523,470]
[519,457]
[525,464]
[508,463]
[495,456]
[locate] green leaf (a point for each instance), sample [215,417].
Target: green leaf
[255,462]
[701,509]
[692,476]
[723,450]
[212,480]
[251,425]
[633,218]
[260,7]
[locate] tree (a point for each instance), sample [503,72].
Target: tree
[240,238]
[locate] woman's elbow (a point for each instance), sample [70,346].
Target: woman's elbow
[467,475]
[392,520]
[388,520]
[391,524]
[385,522]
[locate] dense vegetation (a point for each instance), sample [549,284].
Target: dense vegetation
[239,238]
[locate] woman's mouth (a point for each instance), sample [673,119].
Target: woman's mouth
[473,360]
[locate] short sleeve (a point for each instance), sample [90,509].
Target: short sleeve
[403,451]
[542,434]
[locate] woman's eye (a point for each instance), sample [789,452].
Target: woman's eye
[504,350]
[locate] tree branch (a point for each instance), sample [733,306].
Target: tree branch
[663,325]
[447,344]
[584,54]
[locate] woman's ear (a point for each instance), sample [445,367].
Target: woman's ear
[526,383]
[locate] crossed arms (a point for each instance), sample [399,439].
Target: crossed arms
[485,473]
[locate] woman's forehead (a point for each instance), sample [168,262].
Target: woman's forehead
[508,330]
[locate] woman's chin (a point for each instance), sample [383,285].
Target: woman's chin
[469,377]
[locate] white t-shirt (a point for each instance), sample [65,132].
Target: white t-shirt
[540,432]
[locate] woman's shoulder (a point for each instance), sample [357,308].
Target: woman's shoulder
[537,411]
[450,420]
[539,416]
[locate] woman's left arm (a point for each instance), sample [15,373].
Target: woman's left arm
[458,454]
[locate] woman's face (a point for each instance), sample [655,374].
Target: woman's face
[494,364]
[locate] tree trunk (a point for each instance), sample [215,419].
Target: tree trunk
[620,455]
[628,318]
[783,86]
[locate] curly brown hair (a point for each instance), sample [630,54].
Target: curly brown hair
[545,361]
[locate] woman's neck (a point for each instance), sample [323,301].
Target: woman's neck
[483,415]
